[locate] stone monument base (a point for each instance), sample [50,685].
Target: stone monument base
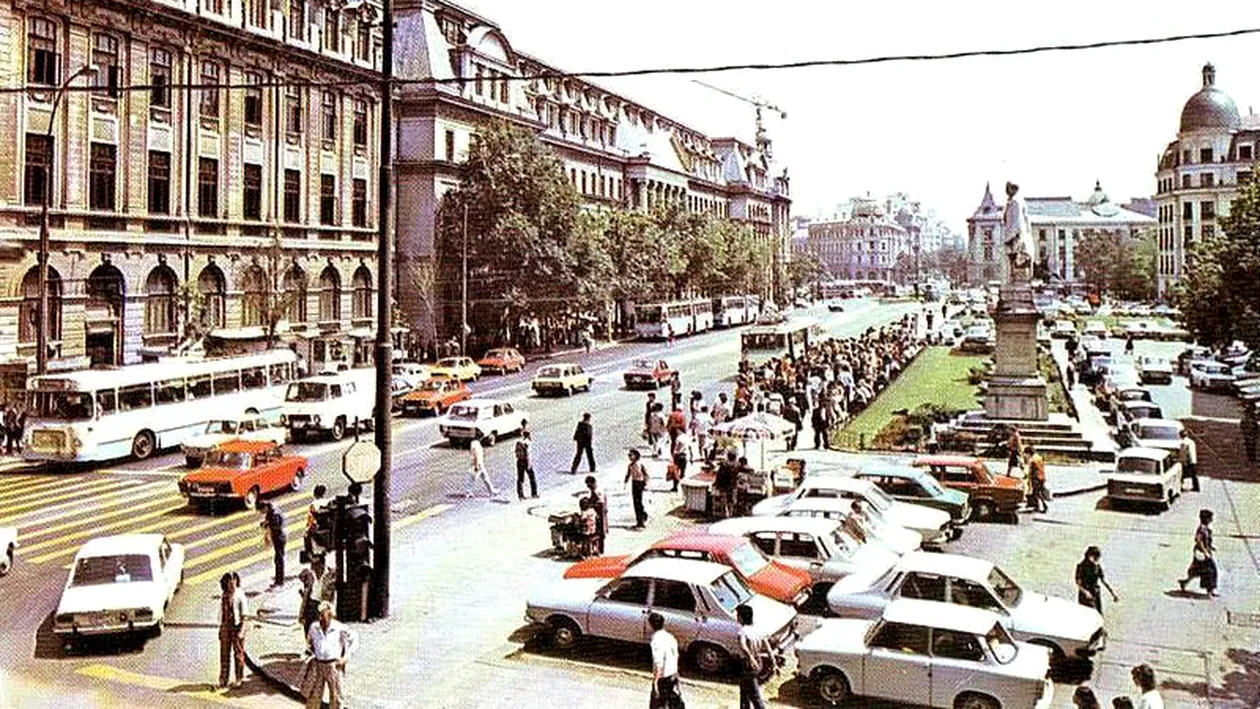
[1019,399]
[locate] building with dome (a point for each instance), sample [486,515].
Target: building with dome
[1058,223]
[1198,175]
[862,243]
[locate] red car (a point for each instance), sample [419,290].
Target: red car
[645,374]
[502,360]
[988,493]
[243,470]
[765,576]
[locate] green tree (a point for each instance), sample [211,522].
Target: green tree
[1220,293]
[1121,266]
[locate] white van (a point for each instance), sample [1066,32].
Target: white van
[329,403]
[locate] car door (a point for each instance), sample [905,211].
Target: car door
[676,602]
[920,585]
[898,664]
[801,551]
[620,610]
[266,469]
[956,660]
[965,592]
[959,478]
[512,416]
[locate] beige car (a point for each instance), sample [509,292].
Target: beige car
[562,379]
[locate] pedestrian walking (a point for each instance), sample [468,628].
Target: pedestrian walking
[1189,454]
[10,425]
[793,416]
[330,644]
[582,437]
[1069,374]
[818,420]
[648,408]
[637,477]
[308,612]
[1203,560]
[477,469]
[753,653]
[1037,479]
[721,409]
[318,502]
[1128,345]
[1014,451]
[701,422]
[231,631]
[724,486]
[599,503]
[525,468]
[1084,698]
[1090,580]
[682,453]
[656,429]
[666,693]
[274,536]
[675,424]
[669,335]
[1144,678]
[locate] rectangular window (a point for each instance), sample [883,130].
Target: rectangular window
[43,61]
[327,199]
[297,19]
[1244,152]
[292,196]
[209,97]
[215,6]
[1207,179]
[293,109]
[253,191]
[363,42]
[105,61]
[360,123]
[1209,230]
[39,160]
[1187,211]
[258,12]
[1185,182]
[159,182]
[1207,210]
[253,100]
[208,188]
[1243,176]
[1185,157]
[160,78]
[358,212]
[1205,155]
[139,396]
[450,146]
[102,180]
[332,29]
[329,108]
[481,83]
[226,383]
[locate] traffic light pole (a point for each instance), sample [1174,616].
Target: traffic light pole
[379,605]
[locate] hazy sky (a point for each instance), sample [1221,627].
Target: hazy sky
[938,130]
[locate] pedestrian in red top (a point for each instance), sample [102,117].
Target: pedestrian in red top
[675,424]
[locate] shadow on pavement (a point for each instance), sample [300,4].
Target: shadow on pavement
[603,653]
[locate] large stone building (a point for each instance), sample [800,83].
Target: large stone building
[862,243]
[1058,224]
[1198,174]
[169,203]
[618,153]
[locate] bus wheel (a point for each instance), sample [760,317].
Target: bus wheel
[143,445]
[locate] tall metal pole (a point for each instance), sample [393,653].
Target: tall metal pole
[384,319]
[463,288]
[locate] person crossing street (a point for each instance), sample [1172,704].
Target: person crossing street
[231,631]
[583,435]
[274,536]
[524,467]
[477,469]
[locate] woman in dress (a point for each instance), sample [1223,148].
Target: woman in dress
[1203,565]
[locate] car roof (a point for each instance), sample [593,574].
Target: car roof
[121,544]
[963,460]
[945,616]
[894,470]
[1139,404]
[238,445]
[685,570]
[481,402]
[702,541]
[559,364]
[1158,422]
[969,567]
[821,504]
[817,526]
[1147,453]
[836,480]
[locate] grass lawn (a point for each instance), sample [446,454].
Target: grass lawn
[935,376]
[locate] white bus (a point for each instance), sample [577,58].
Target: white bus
[734,310]
[655,321]
[106,414]
[760,343]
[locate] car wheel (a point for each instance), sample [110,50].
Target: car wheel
[565,634]
[338,429]
[982,510]
[711,659]
[251,498]
[6,562]
[143,445]
[490,439]
[976,701]
[832,686]
[298,477]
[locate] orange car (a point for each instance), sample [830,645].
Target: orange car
[243,470]
[502,360]
[988,493]
[434,396]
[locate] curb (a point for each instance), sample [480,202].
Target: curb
[582,350]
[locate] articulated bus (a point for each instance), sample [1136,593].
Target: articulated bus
[655,321]
[106,414]
[733,310]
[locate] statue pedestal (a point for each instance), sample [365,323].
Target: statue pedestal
[1017,390]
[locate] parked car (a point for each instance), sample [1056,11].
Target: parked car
[1189,355]
[1154,433]
[8,549]
[1236,353]
[1210,375]
[940,655]
[770,578]
[1063,329]
[248,427]
[329,403]
[978,340]
[1129,411]
[646,374]
[1095,328]
[917,487]
[487,419]
[434,397]
[1145,475]
[1122,395]
[502,360]
[1067,628]
[934,526]
[820,547]
[988,493]
[119,585]
[565,378]
[243,470]
[871,529]
[697,598]
[461,368]
[1154,370]
[411,372]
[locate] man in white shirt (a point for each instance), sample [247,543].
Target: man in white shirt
[753,648]
[1189,459]
[478,469]
[665,690]
[330,644]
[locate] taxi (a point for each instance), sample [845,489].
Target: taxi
[434,397]
[502,360]
[243,470]
[461,368]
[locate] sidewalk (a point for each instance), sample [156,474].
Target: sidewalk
[1092,424]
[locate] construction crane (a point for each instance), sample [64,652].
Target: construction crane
[755,101]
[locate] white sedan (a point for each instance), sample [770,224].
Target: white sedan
[934,526]
[8,547]
[250,427]
[119,585]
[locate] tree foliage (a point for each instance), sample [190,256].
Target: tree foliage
[1219,294]
[1121,266]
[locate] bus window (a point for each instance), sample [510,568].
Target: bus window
[170,391]
[280,373]
[253,378]
[226,383]
[61,405]
[106,401]
[199,387]
[137,396]
[650,314]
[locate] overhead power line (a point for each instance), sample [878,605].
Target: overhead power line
[681,70]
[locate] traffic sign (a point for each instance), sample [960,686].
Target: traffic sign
[361,461]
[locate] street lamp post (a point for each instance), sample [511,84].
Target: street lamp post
[41,331]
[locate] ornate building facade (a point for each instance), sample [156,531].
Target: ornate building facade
[864,244]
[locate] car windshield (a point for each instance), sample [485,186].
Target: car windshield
[61,405]
[879,499]
[496,354]
[223,427]
[748,560]
[1007,590]
[929,483]
[306,391]
[643,364]
[119,568]
[1139,466]
[463,413]
[730,591]
[1001,645]
[234,460]
[449,362]
[550,372]
[1159,433]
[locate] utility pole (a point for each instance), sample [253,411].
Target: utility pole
[463,288]
[384,319]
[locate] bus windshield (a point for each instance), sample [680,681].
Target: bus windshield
[61,405]
[650,314]
[306,391]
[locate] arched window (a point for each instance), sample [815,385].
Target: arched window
[295,295]
[329,295]
[361,304]
[106,286]
[159,302]
[28,319]
[254,297]
[210,284]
